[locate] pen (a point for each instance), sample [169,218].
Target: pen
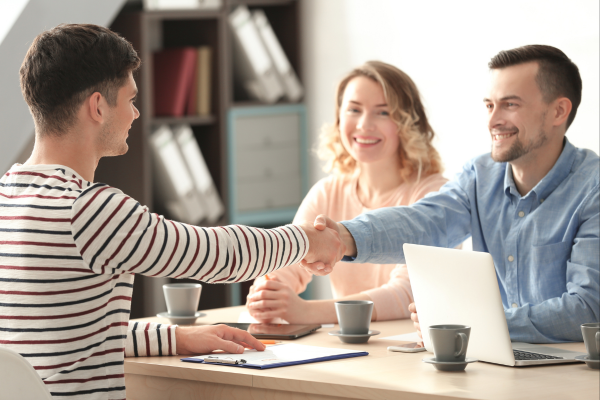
[211,359]
[264,341]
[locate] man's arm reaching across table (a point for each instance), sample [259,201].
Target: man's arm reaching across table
[130,239]
[554,319]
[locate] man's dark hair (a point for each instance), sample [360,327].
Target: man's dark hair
[557,75]
[68,63]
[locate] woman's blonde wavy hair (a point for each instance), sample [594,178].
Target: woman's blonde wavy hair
[417,155]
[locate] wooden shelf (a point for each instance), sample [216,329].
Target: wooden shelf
[261,3]
[191,120]
[184,14]
[252,103]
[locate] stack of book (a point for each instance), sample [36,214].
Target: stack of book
[182,81]
[261,66]
[183,183]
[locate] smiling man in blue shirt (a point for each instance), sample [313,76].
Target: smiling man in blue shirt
[532,203]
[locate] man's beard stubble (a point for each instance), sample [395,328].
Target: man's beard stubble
[110,143]
[518,149]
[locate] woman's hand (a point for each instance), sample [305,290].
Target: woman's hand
[205,339]
[415,318]
[270,299]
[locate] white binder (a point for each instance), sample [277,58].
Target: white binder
[252,63]
[196,166]
[204,72]
[181,4]
[291,84]
[174,187]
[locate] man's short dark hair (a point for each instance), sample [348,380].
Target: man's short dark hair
[68,63]
[557,75]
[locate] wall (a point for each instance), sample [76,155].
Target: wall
[27,21]
[445,47]
[9,12]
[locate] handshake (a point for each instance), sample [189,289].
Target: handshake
[329,241]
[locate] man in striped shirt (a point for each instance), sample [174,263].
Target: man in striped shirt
[69,248]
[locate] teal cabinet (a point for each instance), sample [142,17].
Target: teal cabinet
[267,163]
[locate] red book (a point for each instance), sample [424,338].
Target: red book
[192,100]
[174,71]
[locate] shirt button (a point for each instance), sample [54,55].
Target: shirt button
[511,258]
[541,200]
[514,305]
[521,214]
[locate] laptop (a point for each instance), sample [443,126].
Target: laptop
[460,287]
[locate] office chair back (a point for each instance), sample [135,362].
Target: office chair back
[18,379]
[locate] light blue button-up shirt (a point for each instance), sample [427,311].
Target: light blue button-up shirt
[545,244]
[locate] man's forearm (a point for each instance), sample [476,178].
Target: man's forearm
[555,320]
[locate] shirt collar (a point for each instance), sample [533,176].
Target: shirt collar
[546,186]
[509,183]
[50,169]
[558,173]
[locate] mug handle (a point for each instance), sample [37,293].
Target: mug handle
[463,344]
[598,341]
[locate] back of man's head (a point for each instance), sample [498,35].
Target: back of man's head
[557,76]
[68,63]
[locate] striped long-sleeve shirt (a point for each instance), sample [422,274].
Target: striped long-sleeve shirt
[69,250]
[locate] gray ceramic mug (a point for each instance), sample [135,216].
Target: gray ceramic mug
[591,338]
[354,316]
[182,298]
[450,342]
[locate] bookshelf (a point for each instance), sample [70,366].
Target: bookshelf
[217,134]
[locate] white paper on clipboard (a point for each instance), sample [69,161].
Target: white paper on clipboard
[283,355]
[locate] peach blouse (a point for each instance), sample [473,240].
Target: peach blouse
[386,284]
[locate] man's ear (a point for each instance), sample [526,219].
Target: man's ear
[97,107]
[561,110]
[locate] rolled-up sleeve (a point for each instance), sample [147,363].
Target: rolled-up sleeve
[441,219]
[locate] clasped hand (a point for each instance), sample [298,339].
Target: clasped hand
[326,246]
[271,299]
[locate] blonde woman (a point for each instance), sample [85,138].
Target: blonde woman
[381,155]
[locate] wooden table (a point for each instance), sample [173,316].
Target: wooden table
[381,375]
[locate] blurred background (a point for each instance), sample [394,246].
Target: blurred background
[444,46]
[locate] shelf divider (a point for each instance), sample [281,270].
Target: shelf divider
[189,119]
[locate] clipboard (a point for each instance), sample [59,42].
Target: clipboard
[276,356]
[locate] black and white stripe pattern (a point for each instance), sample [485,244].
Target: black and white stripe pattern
[68,253]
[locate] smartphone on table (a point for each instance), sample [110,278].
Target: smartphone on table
[413,347]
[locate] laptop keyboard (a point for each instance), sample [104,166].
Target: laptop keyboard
[525,355]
